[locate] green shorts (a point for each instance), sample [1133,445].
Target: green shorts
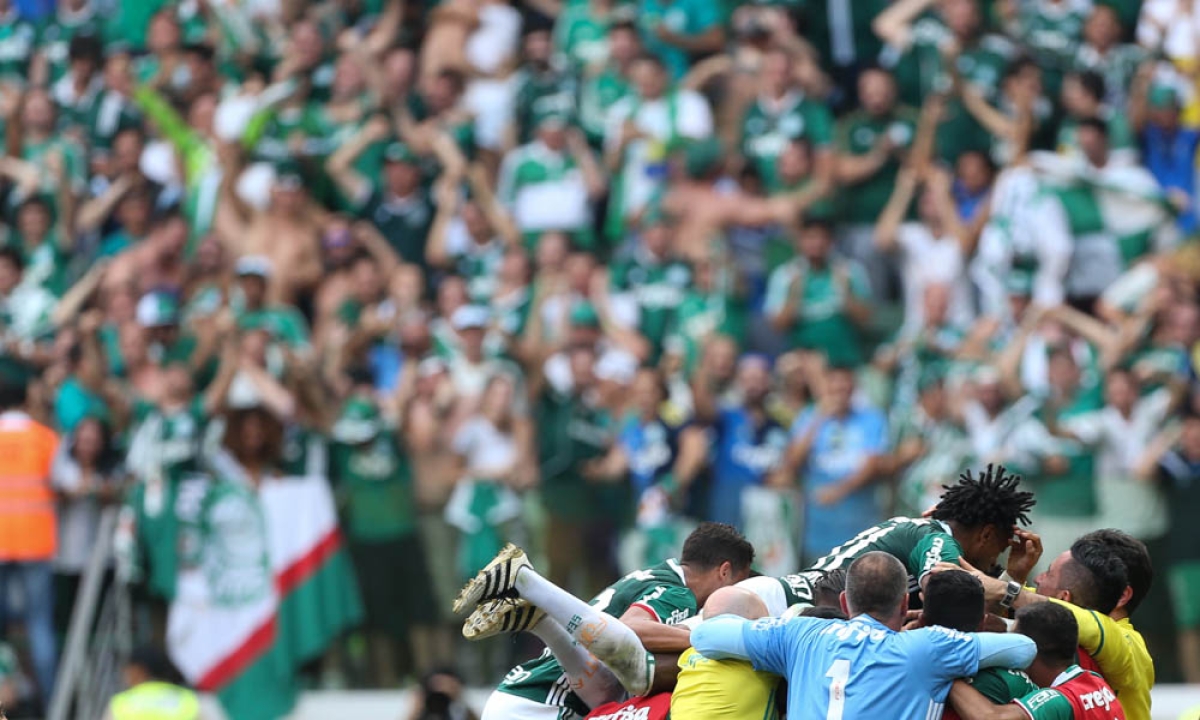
[1184,579]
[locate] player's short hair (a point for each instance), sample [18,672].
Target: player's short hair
[954,599]
[993,497]
[1132,553]
[827,590]
[713,543]
[1095,576]
[1053,628]
[876,584]
[824,612]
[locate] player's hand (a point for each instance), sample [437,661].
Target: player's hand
[993,588]
[1026,550]
[912,620]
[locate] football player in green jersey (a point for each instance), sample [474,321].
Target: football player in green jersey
[621,627]
[976,520]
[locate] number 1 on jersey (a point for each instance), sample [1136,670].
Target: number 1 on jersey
[839,673]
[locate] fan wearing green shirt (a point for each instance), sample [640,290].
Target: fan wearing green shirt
[678,30]
[871,142]
[373,480]
[711,306]
[283,322]
[550,183]
[71,18]
[543,85]
[921,47]
[781,113]
[398,204]
[604,85]
[655,278]
[819,301]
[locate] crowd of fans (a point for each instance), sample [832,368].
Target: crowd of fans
[584,272]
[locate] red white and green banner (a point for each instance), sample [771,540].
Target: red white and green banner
[263,586]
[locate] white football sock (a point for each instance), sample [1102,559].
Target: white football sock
[603,635]
[591,680]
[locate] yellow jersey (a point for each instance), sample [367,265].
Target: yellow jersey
[722,690]
[1120,653]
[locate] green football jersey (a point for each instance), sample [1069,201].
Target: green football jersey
[1072,493]
[660,590]
[597,94]
[768,127]
[1002,686]
[857,134]
[822,322]
[919,543]
[658,287]
[572,431]
[1052,33]
[375,484]
[305,452]
[798,587]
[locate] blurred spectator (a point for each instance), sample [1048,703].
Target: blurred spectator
[1173,462]
[29,535]
[836,447]
[374,481]
[150,683]
[86,476]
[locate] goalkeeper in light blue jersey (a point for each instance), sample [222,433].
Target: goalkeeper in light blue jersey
[863,668]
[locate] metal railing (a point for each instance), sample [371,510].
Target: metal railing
[98,638]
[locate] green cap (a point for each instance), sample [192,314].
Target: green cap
[1162,96]
[702,157]
[1019,283]
[583,314]
[930,379]
[654,214]
[399,152]
[553,116]
[358,423]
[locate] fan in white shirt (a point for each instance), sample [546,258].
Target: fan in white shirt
[933,249]
[1120,432]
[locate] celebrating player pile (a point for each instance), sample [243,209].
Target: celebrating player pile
[698,638]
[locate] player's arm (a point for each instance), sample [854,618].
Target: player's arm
[932,549]
[972,705]
[656,636]
[721,638]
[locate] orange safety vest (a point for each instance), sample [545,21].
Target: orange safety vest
[27,522]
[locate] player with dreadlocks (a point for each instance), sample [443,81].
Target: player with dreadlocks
[975,520]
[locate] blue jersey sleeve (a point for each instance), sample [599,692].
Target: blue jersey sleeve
[767,642]
[721,638]
[948,654]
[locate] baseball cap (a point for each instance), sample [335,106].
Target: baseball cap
[584,314]
[157,309]
[1161,96]
[358,423]
[398,152]
[253,265]
[702,157]
[469,316]
[1019,283]
[553,116]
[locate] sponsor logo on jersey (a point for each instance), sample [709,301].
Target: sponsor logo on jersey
[1101,698]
